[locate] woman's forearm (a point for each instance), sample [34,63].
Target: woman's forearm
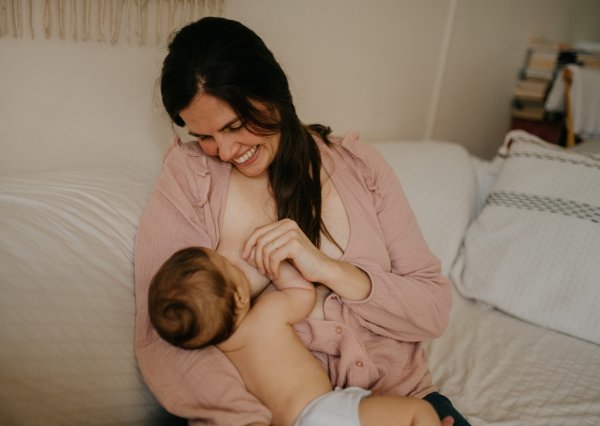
[346,280]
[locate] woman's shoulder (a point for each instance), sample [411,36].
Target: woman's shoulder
[178,150]
[187,173]
[187,158]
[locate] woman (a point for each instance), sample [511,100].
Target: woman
[260,187]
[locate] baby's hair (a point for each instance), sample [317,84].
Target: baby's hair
[190,302]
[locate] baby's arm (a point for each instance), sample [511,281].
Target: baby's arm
[296,295]
[289,277]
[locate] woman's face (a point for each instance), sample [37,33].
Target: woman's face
[221,133]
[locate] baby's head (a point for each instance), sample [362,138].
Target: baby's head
[197,298]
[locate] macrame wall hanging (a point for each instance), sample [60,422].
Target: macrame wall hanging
[138,21]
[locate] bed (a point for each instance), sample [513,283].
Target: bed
[522,348]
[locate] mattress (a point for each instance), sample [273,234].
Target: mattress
[505,371]
[67,304]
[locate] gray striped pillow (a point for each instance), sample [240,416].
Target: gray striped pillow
[534,250]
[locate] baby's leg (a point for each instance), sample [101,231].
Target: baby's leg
[388,410]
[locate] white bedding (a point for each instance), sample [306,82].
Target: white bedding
[499,370]
[67,305]
[66,299]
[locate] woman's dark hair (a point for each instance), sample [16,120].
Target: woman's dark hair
[230,62]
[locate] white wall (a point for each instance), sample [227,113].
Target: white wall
[352,64]
[487,49]
[71,105]
[355,64]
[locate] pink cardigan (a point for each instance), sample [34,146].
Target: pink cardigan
[373,343]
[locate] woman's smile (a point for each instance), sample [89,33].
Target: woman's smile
[248,157]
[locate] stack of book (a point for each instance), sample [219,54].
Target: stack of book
[541,62]
[542,66]
[588,54]
[529,97]
[539,71]
[589,60]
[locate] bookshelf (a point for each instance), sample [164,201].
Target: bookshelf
[540,68]
[543,64]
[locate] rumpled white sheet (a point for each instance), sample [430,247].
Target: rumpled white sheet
[499,370]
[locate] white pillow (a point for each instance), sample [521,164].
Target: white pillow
[534,251]
[67,299]
[440,183]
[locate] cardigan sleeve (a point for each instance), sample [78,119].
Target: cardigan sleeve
[410,299]
[199,385]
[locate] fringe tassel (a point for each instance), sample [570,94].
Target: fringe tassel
[47,18]
[106,21]
[16,18]
[31,32]
[87,19]
[74,19]
[61,18]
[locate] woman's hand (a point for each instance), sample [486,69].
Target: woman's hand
[271,244]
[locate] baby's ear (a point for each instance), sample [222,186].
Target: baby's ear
[240,301]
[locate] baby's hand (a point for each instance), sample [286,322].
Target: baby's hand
[289,277]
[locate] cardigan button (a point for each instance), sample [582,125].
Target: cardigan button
[338,330]
[359,364]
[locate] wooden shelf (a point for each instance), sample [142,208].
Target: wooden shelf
[550,130]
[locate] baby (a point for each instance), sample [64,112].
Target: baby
[198,298]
